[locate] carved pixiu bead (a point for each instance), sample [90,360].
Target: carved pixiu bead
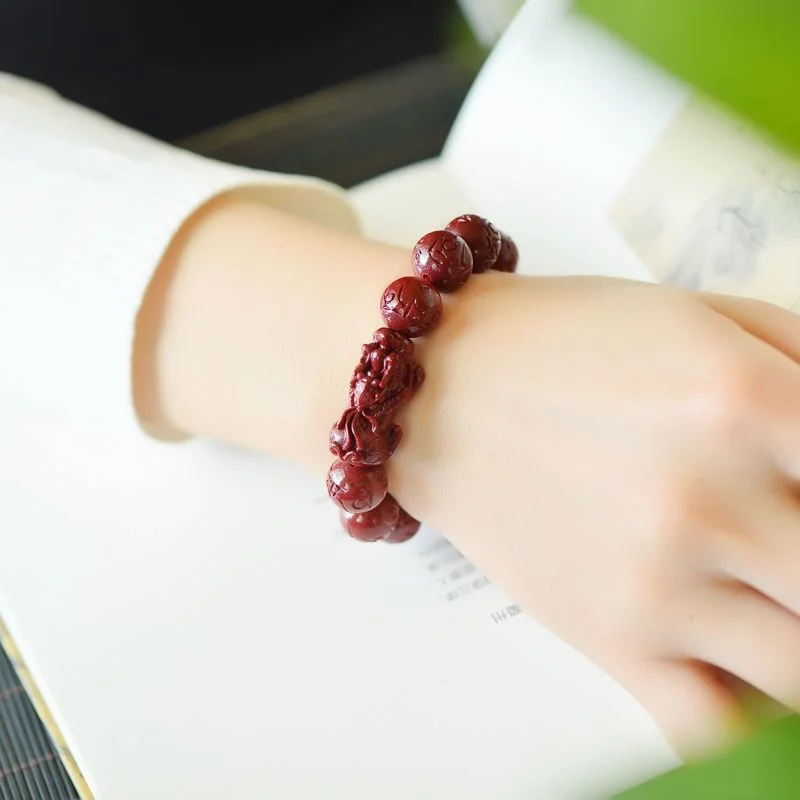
[357,439]
[405,528]
[442,259]
[386,376]
[509,255]
[410,306]
[482,238]
[380,523]
[357,489]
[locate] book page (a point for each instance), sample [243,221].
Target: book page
[715,207]
[556,124]
[199,626]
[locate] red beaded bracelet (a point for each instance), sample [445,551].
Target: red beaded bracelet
[386,378]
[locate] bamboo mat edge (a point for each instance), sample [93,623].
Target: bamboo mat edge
[44,714]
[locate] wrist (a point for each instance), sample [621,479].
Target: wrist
[255,319]
[454,397]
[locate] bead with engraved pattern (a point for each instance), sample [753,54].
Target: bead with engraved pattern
[375,525]
[482,238]
[355,489]
[442,259]
[411,307]
[509,255]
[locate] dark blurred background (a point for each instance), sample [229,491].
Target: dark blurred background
[344,90]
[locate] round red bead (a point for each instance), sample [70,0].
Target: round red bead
[443,259]
[405,528]
[372,526]
[410,306]
[509,255]
[482,238]
[357,489]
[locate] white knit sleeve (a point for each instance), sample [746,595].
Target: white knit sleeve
[87,209]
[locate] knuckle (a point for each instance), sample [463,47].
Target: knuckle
[731,397]
[678,519]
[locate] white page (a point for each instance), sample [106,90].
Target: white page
[601,164]
[553,129]
[201,628]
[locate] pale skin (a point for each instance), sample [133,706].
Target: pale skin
[631,453]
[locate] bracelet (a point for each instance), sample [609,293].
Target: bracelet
[387,377]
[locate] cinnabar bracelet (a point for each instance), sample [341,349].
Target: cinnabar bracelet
[386,378]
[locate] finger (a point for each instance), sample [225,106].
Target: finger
[758,707]
[767,558]
[697,711]
[746,634]
[771,324]
[775,384]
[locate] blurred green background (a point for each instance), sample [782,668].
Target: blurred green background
[743,54]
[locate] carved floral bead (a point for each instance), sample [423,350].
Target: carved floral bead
[410,306]
[386,376]
[388,521]
[357,439]
[405,528]
[509,255]
[482,238]
[442,259]
[357,489]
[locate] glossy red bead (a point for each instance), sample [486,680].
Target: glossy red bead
[405,528]
[482,238]
[357,489]
[443,259]
[411,306]
[372,526]
[509,255]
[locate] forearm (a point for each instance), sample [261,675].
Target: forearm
[252,325]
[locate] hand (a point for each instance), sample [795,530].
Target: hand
[622,459]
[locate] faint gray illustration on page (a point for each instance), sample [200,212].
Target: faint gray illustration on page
[714,207]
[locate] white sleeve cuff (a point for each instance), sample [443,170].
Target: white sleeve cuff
[87,209]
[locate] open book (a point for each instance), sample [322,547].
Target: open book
[210,632]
